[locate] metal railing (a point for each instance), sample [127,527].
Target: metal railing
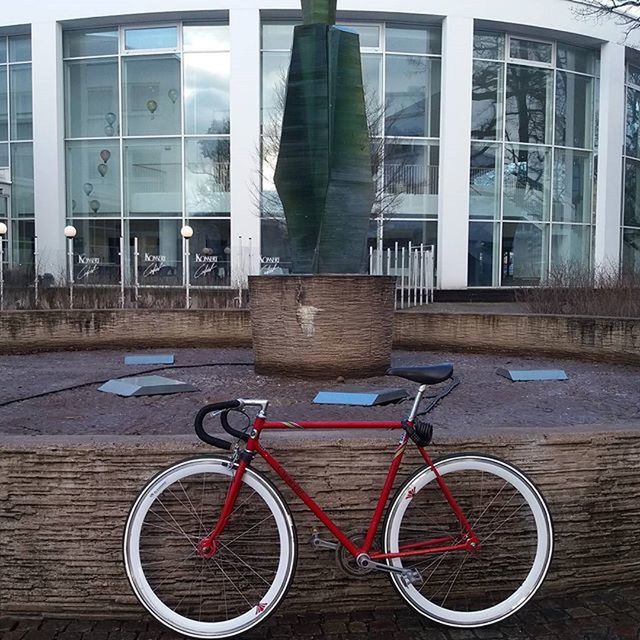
[414,268]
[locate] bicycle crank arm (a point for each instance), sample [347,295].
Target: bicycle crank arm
[318,543]
[408,576]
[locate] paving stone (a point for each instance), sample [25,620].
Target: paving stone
[578,618]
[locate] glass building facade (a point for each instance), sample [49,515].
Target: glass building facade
[147,150]
[631,193]
[17,209]
[531,182]
[513,150]
[401,69]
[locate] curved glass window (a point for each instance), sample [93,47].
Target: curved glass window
[147,140]
[401,69]
[532,156]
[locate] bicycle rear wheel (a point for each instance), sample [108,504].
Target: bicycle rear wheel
[511,520]
[242,583]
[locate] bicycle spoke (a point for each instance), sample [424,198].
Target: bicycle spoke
[474,587]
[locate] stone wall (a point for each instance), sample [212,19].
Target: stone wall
[64,501]
[22,331]
[611,339]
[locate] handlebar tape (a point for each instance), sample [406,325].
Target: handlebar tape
[225,407]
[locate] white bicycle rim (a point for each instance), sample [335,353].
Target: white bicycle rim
[145,593]
[539,566]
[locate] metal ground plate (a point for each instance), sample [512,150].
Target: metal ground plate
[145,386]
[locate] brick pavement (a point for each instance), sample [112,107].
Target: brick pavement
[613,614]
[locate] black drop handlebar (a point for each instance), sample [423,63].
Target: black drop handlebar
[223,408]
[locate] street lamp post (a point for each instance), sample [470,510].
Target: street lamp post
[70,234]
[186,232]
[3,231]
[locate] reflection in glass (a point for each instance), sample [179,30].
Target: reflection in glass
[372,83]
[152,177]
[93,178]
[486,108]
[412,96]
[403,39]
[530,50]
[97,251]
[151,95]
[210,249]
[632,192]
[3,49]
[4,155]
[207,177]
[22,246]
[482,247]
[206,37]
[277,36]
[575,58]
[151,38]
[19,48]
[488,45]
[574,110]
[632,145]
[524,253]
[22,180]
[484,181]
[411,172]
[369,34]
[206,77]
[572,178]
[570,245]
[274,79]
[631,250]
[92,99]
[633,75]
[4,105]
[403,232]
[526,182]
[159,249]
[21,108]
[90,42]
[275,253]
[528,104]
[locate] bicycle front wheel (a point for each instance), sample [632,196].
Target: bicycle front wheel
[509,516]
[242,583]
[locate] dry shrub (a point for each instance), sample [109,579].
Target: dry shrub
[574,290]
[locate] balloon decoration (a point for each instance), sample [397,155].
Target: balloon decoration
[102,169]
[110,118]
[152,105]
[87,187]
[95,205]
[173,95]
[105,154]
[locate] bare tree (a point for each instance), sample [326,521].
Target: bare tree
[625,13]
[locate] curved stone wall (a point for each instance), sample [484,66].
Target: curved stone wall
[65,501]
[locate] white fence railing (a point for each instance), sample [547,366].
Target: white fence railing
[413,266]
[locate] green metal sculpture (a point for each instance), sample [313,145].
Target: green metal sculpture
[323,174]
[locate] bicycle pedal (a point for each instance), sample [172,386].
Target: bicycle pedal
[318,543]
[412,576]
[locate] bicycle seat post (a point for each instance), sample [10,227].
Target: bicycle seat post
[416,402]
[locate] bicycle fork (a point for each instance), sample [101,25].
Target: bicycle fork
[207,547]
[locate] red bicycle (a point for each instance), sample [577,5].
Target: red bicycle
[210,546]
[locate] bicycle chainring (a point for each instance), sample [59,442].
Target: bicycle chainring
[346,562]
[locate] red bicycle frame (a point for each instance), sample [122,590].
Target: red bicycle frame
[467,540]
